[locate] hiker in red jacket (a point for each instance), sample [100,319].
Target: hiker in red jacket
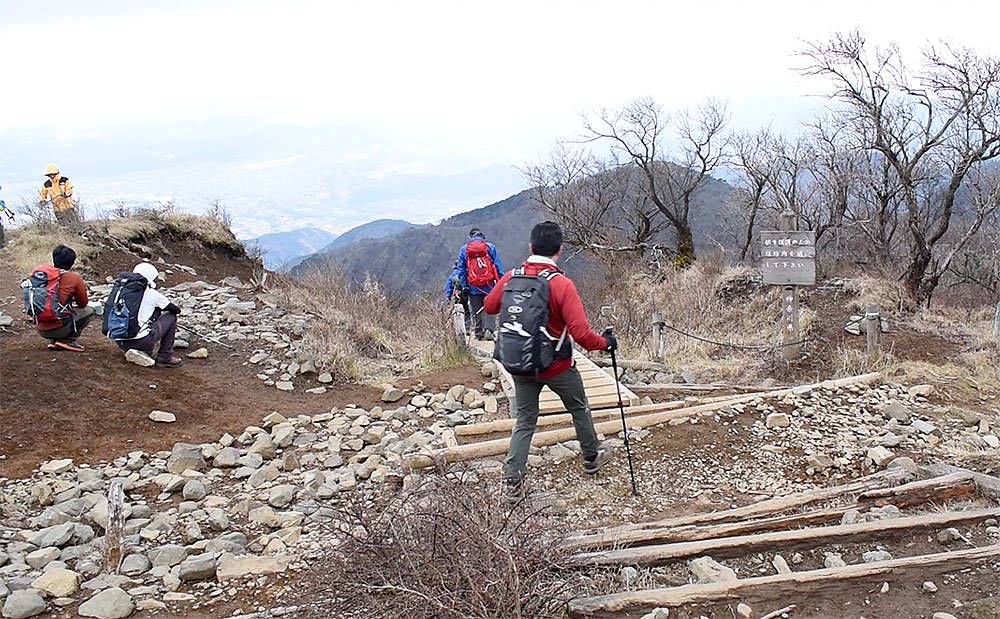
[566,317]
[62,332]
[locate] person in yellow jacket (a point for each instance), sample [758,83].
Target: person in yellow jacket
[59,190]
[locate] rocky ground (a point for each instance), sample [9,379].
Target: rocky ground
[232,468]
[206,524]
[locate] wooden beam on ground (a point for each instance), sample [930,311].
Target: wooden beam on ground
[631,364]
[499,446]
[776,505]
[506,425]
[693,532]
[987,484]
[673,389]
[938,490]
[784,540]
[781,586]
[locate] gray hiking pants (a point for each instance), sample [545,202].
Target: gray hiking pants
[69,332]
[163,331]
[481,321]
[569,387]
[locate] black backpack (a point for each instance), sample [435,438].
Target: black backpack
[523,345]
[121,310]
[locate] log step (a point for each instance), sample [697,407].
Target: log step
[784,540]
[940,490]
[781,586]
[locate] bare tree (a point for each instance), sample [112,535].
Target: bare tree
[753,161]
[934,128]
[653,183]
[600,206]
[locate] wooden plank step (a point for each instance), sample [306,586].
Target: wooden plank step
[785,540]
[763,508]
[939,490]
[780,586]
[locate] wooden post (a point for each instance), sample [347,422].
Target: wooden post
[790,303]
[458,320]
[996,322]
[873,332]
[657,335]
[114,534]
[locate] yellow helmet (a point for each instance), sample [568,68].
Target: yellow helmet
[51,169]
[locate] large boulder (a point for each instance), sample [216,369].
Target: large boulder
[111,603]
[23,603]
[185,456]
[58,583]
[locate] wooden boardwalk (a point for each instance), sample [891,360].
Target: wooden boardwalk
[598,383]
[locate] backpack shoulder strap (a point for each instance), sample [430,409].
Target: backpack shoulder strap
[549,274]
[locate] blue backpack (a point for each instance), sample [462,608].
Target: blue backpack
[121,310]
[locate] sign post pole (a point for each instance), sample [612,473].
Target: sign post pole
[788,259]
[790,303]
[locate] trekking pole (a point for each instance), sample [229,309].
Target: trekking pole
[621,407]
[207,338]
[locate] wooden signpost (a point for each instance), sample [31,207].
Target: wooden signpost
[788,259]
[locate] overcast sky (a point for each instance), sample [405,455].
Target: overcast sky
[202,100]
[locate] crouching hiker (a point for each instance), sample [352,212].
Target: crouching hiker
[540,316]
[137,316]
[49,297]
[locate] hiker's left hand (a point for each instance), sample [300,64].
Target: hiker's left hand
[612,343]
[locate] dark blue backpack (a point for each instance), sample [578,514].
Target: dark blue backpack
[121,310]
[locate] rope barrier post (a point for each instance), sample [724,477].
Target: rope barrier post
[873,332]
[458,322]
[790,336]
[656,341]
[996,322]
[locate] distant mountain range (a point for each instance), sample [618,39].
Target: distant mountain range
[419,258]
[282,248]
[371,230]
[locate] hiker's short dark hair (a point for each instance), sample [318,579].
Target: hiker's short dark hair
[546,238]
[63,257]
[476,232]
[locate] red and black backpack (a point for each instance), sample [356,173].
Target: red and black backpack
[480,270]
[40,293]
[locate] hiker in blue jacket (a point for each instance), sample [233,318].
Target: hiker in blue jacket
[479,269]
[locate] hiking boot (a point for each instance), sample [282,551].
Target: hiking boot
[514,490]
[603,457]
[68,345]
[488,336]
[172,362]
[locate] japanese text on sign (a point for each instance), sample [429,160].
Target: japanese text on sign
[788,258]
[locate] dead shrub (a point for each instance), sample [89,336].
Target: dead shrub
[449,547]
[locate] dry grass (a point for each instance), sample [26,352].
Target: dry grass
[707,300]
[364,334]
[143,224]
[31,245]
[887,294]
[851,362]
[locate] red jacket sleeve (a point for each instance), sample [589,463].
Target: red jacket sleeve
[491,304]
[80,292]
[568,300]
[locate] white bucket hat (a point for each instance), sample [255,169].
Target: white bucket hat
[148,271]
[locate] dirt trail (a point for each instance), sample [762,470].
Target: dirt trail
[93,406]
